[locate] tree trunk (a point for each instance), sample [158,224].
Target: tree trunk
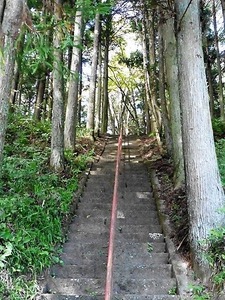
[57,140]
[150,91]
[79,107]
[204,190]
[99,94]
[92,88]
[38,109]
[162,85]
[106,75]
[11,16]
[210,83]
[223,10]
[16,83]
[220,82]
[171,64]
[72,102]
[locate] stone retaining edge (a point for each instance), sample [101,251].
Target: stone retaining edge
[182,273]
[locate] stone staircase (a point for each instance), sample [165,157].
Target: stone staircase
[142,268]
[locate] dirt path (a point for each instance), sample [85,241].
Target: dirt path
[141,265]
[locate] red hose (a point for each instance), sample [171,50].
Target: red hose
[108,287]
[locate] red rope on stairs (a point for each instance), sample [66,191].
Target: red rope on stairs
[108,287]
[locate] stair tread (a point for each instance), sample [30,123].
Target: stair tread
[99,270]
[92,286]
[124,297]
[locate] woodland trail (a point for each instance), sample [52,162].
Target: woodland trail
[142,268]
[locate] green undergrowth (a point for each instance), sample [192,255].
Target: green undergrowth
[35,201]
[216,239]
[220,150]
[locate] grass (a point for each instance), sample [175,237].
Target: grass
[35,201]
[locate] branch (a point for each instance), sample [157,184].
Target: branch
[181,19]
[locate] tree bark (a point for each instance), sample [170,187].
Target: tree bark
[11,17]
[150,91]
[105,108]
[57,140]
[162,85]
[220,82]
[99,94]
[72,101]
[204,190]
[223,10]
[171,64]
[38,109]
[92,88]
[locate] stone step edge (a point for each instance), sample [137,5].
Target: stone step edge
[101,297]
[182,273]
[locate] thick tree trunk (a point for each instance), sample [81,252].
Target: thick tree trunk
[11,16]
[72,102]
[171,64]
[204,191]
[57,140]
[92,88]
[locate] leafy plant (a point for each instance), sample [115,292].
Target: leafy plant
[173,291]
[199,292]
[216,256]
[35,202]
[220,150]
[218,127]
[150,247]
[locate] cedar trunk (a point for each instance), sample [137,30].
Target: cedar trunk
[204,190]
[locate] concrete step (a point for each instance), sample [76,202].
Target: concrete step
[123,186]
[86,237]
[95,287]
[76,286]
[92,227]
[127,214]
[87,269]
[101,254]
[121,220]
[147,297]
[135,249]
[138,194]
[136,254]
[143,287]
[118,297]
[142,260]
[96,270]
[76,237]
[145,271]
[96,203]
[140,237]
